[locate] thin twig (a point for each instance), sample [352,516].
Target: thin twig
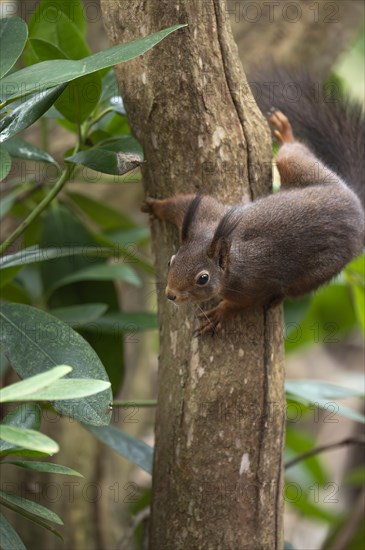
[348,441]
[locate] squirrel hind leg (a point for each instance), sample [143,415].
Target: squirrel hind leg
[282,128]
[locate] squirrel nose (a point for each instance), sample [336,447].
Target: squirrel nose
[170,296]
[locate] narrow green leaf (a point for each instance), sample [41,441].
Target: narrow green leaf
[26,113]
[5,162]
[31,507]
[63,390]
[79,315]
[27,415]
[28,439]
[135,450]
[21,149]
[52,73]
[33,519]
[34,254]
[35,342]
[19,390]
[9,538]
[323,395]
[13,36]
[102,272]
[317,389]
[43,467]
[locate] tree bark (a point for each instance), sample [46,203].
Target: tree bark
[220,416]
[294,34]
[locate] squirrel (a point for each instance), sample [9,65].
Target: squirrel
[283,245]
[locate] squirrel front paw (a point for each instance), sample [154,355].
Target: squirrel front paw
[148,205]
[211,321]
[283,130]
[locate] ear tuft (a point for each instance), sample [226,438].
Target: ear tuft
[189,217]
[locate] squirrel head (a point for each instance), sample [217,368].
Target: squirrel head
[192,276]
[196,271]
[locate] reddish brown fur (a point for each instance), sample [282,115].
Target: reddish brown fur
[283,245]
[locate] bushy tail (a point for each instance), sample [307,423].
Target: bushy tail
[331,125]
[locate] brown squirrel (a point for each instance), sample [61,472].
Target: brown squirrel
[283,245]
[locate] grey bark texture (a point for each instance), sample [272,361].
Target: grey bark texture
[217,480]
[294,34]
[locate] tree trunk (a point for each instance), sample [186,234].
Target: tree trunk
[294,34]
[220,416]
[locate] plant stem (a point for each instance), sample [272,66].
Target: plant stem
[65,175]
[135,403]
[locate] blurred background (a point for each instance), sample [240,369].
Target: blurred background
[324,494]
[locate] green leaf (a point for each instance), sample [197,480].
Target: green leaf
[101,213]
[34,519]
[21,149]
[355,276]
[13,36]
[135,450]
[80,98]
[330,315]
[43,467]
[97,159]
[104,157]
[34,254]
[102,272]
[64,390]
[79,315]
[52,73]
[31,507]
[41,50]
[35,341]
[9,538]
[26,113]
[315,389]
[62,24]
[28,439]
[32,384]
[61,227]
[323,395]
[27,415]
[5,162]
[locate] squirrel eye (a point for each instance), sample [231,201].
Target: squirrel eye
[202,279]
[171,260]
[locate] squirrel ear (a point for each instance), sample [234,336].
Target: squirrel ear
[219,251]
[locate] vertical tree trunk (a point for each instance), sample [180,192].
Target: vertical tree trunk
[220,416]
